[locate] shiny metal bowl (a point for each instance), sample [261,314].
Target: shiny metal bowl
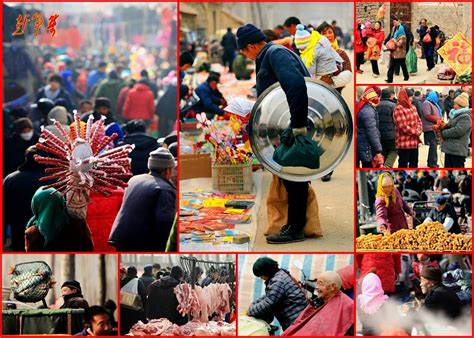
[329,124]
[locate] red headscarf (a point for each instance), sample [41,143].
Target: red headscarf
[403,99]
[371,95]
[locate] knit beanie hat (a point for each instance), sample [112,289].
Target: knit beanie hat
[432,273]
[22,124]
[302,37]
[161,159]
[73,284]
[462,100]
[58,113]
[102,102]
[176,272]
[265,266]
[249,34]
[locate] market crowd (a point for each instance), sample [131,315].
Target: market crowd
[139,107]
[155,292]
[372,44]
[391,125]
[405,294]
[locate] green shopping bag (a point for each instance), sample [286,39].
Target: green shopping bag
[411,61]
[296,152]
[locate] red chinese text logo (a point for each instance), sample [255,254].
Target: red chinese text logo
[22,21]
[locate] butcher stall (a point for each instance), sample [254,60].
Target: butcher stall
[209,305]
[300,266]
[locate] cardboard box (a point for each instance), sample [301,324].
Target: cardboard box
[194,166]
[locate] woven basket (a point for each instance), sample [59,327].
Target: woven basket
[30,282]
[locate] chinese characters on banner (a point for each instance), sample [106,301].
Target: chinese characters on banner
[457,52]
[22,21]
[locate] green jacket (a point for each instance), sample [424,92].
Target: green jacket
[110,88]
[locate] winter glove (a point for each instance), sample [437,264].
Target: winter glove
[378,161]
[300,131]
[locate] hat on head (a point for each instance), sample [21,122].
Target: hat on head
[432,273]
[148,268]
[265,266]
[72,284]
[302,37]
[102,64]
[22,124]
[440,200]
[462,100]
[58,113]
[161,159]
[176,272]
[102,102]
[249,34]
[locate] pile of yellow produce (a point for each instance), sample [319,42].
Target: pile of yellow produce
[429,236]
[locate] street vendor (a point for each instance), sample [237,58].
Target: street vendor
[283,298]
[211,99]
[445,214]
[72,294]
[275,63]
[390,207]
[334,318]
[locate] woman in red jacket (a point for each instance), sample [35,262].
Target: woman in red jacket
[408,128]
[139,103]
[374,44]
[359,47]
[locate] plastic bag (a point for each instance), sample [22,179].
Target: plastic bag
[129,295]
[427,38]
[296,153]
[249,326]
[411,61]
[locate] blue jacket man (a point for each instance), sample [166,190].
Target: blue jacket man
[210,97]
[274,64]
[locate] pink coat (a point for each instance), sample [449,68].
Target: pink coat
[393,216]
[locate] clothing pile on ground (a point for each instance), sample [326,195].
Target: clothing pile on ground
[210,217]
[427,236]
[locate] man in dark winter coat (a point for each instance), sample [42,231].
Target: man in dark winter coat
[20,186]
[275,63]
[211,99]
[147,277]
[439,298]
[102,107]
[283,298]
[54,92]
[229,44]
[148,210]
[72,294]
[128,315]
[449,102]
[428,47]
[162,302]
[417,98]
[387,127]
[144,145]
[15,146]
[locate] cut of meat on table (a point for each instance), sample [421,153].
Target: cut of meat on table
[187,299]
[156,327]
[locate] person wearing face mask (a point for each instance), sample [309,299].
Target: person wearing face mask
[162,301]
[211,99]
[148,210]
[390,207]
[335,317]
[283,298]
[15,146]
